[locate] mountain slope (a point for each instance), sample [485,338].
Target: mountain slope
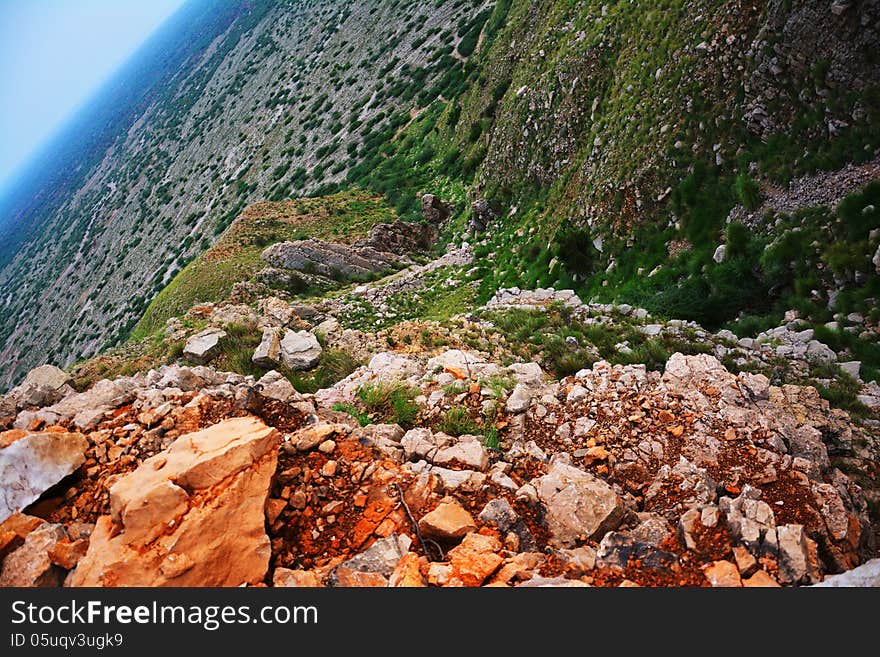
[264,100]
[611,140]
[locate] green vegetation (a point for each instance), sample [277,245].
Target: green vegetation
[390,403]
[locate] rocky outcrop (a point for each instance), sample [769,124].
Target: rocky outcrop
[31,463]
[331,260]
[189,516]
[268,353]
[436,211]
[400,238]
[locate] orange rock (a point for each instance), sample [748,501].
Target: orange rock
[296,578]
[274,507]
[760,580]
[448,521]
[9,437]
[193,515]
[677,431]
[475,559]
[407,573]
[349,578]
[67,553]
[665,416]
[723,574]
[730,434]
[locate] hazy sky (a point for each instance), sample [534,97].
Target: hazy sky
[54,54]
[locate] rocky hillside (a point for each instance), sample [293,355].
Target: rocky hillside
[578,294]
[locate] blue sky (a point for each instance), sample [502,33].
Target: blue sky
[54,54]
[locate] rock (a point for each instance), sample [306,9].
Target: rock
[723,574]
[268,354]
[274,385]
[193,515]
[436,211]
[500,514]
[300,350]
[475,559]
[468,451]
[313,435]
[203,346]
[620,551]
[819,353]
[66,553]
[760,580]
[33,463]
[401,237]
[30,565]
[407,573]
[451,480]
[876,260]
[798,560]
[853,368]
[346,577]
[47,376]
[652,529]
[745,561]
[284,577]
[334,261]
[519,399]
[449,521]
[720,254]
[481,215]
[380,558]
[579,506]
[388,366]
[463,364]
[867,575]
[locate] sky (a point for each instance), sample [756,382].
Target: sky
[54,54]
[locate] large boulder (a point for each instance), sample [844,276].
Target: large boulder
[192,515]
[31,463]
[578,505]
[401,237]
[300,350]
[203,346]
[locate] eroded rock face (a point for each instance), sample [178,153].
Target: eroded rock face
[192,515]
[401,237]
[32,463]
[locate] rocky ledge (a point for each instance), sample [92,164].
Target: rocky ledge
[616,476]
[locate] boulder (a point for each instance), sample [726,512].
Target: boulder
[203,346]
[300,350]
[380,558]
[33,463]
[401,237]
[47,376]
[578,505]
[30,565]
[436,211]
[193,515]
[867,575]
[268,353]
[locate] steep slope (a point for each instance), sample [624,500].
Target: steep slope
[275,103]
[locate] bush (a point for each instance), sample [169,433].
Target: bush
[747,191]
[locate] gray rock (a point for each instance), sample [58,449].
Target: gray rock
[276,386]
[268,354]
[467,451]
[876,260]
[300,350]
[618,550]
[381,557]
[519,399]
[203,346]
[867,575]
[720,254]
[651,330]
[578,505]
[820,353]
[853,368]
[797,555]
[33,464]
[400,237]
[46,376]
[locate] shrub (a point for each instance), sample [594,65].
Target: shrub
[747,191]
[458,422]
